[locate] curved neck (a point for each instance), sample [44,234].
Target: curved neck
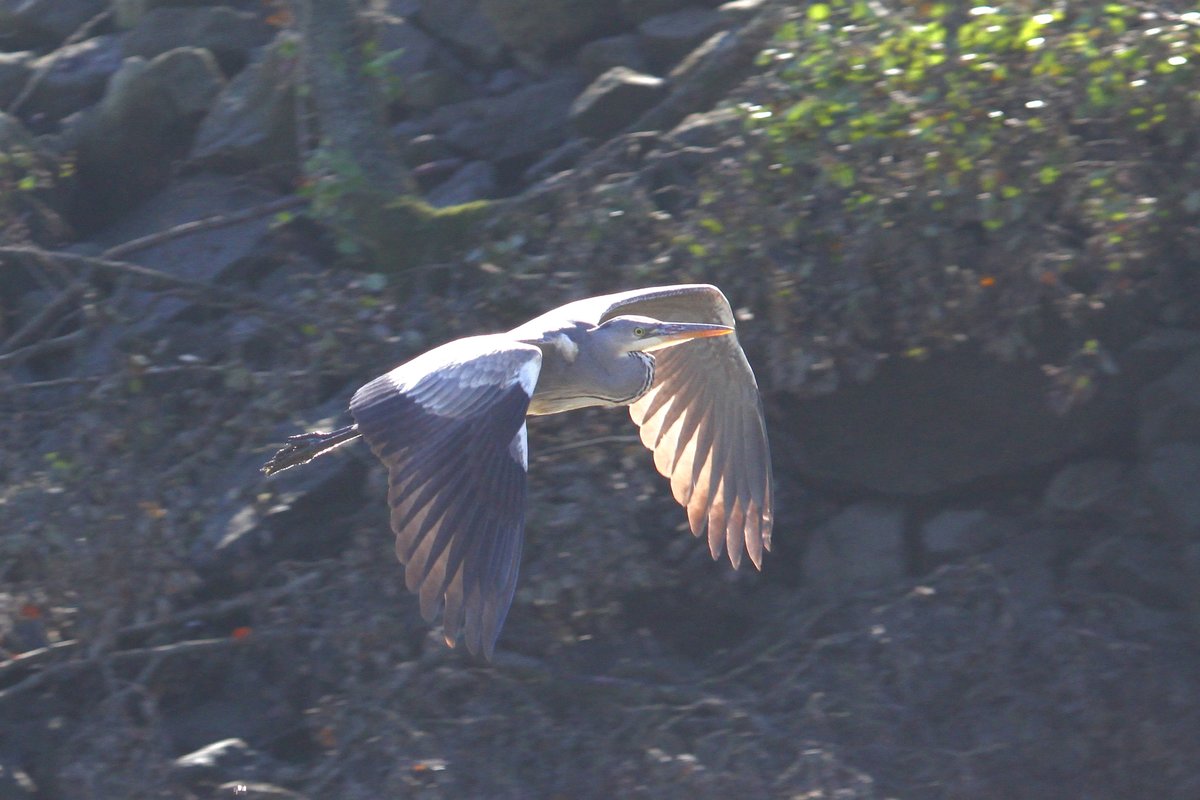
[589,379]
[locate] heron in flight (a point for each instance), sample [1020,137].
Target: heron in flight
[450,427]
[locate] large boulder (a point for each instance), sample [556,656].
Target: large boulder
[126,144]
[73,77]
[229,34]
[217,255]
[956,533]
[669,37]
[518,125]
[614,100]
[1170,408]
[15,71]
[218,762]
[1172,480]
[862,548]
[921,427]
[40,24]
[600,55]
[420,72]
[1086,486]
[474,181]
[464,25]
[542,27]
[252,124]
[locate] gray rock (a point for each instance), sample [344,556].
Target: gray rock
[1142,569]
[547,26]
[73,77]
[128,13]
[1085,486]
[431,88]
[217,762]
[253,121]
[15,71]
[219,255]
[506,80]
[600,55]
[463,24]
[1172,479]
[15,783]
[953,534]
[127,142]
[39,24]
[424,149]
[709,128]
[406,48]
[1169,409]
[521,124]
[420,73]
[556,161]
[430,174]
[669,37]
[702,56]
[403,8]
[614,100]
[228,34]
[475,181]
[293,515]
[862,548]
[1026,560]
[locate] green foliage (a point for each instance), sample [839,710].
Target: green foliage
[966,166]
[27,182]
[391,232]
[331,178]
[377,65]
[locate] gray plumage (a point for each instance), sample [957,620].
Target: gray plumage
[450,427]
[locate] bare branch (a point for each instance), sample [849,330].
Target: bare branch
[205,224]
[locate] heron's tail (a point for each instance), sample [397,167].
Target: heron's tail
[307,446]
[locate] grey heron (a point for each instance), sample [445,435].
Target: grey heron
[450,427]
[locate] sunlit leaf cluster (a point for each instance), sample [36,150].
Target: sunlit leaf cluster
[933,173]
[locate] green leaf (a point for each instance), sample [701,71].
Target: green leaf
[1048,175]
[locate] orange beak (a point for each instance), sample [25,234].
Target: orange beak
[669,333]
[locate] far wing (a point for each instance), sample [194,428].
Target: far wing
[450,426]
[703,420]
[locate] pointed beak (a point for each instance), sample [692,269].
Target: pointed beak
[672,332]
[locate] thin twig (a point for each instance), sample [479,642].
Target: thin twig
[611,439]
[120,658]
[257,598]
[159,371]
[205,224]
[44,319]
[43,347]
[149,275]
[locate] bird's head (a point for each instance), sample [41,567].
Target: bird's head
[633,334]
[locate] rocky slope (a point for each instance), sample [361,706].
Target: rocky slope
[987,557]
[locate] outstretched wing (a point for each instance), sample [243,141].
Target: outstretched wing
[703,420]
[450,426]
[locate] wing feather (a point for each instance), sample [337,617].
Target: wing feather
[703,420]
[445,425]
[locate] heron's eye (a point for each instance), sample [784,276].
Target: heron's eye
[639,332]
